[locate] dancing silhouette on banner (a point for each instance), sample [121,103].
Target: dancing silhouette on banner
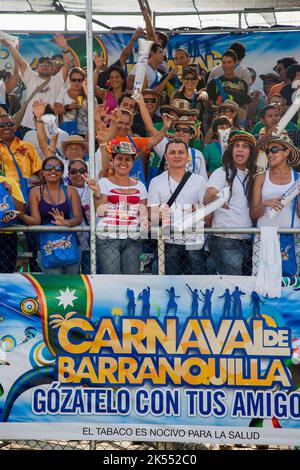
[206,310]
[172,305]
[145,297]
[195,303]
[131,304]
[255,302]
[227,303]
[237,303]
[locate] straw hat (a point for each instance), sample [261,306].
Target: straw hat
[180,107]
[241,113]
[187,122]
[74,139]
[283,139]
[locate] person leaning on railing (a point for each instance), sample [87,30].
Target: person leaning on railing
[119,201]
[48,205]
[231,252]
[270,186]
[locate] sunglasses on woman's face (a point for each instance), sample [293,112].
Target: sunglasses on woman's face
[225,110]
[78,80]
[183,129]
[274,150]
[150,100]
[7,124]
[57,168]
[191,79]
[74,171]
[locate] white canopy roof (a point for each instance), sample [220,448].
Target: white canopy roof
[157,6]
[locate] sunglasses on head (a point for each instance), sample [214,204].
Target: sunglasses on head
[150,100]
[74,171]
[7,124]
[274,150]
[57,168]
[78,80]
[183,129]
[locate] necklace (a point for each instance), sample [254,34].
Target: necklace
[51,200]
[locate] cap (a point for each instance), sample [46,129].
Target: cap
[122,147]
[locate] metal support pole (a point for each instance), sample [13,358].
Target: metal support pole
[91,130]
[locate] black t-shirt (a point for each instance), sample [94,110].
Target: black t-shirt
[235,88]
[138,126]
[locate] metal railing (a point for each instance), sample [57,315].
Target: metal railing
[224,251]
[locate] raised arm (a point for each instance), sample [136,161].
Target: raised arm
[155,139]
[61,42]
[38,107]
[12,81]
[125,54]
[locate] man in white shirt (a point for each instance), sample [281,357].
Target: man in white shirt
[33,79]
[184,253]
[152,74]
[232,252]
[239,71]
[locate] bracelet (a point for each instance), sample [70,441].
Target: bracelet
[65,51]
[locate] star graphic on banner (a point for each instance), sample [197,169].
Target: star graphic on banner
[66,298]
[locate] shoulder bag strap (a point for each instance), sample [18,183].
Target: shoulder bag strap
[181,184]
[18,116]
[193,152]
[68,200]
[221,89]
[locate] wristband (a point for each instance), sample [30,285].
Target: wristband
[65,51]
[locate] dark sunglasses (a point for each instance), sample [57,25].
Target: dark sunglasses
[7,124]
[192,79]
[274,150]
[183,129]
[150,100]
[57,168]
[78,80]
[225,110]
[46,62]
[74,171]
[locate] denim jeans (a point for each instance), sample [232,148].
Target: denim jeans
[119,256]
[181,261]
[230,254]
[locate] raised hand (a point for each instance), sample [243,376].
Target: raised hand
[38,107]
[167,120]
[99,60]
[138,33]
[102,134]
[58,217]
[60,41]
[202,96]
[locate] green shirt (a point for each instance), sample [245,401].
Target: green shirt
[213,156]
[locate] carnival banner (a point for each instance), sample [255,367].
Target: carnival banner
[152,358]
[263,48]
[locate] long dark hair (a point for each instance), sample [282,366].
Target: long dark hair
[231,171]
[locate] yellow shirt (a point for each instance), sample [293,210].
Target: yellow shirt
[25,155]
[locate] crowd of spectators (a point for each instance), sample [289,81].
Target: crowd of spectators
[158,157]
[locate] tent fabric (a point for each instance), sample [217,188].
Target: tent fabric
[156,6]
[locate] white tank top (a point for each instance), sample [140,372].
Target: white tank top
[284,217]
